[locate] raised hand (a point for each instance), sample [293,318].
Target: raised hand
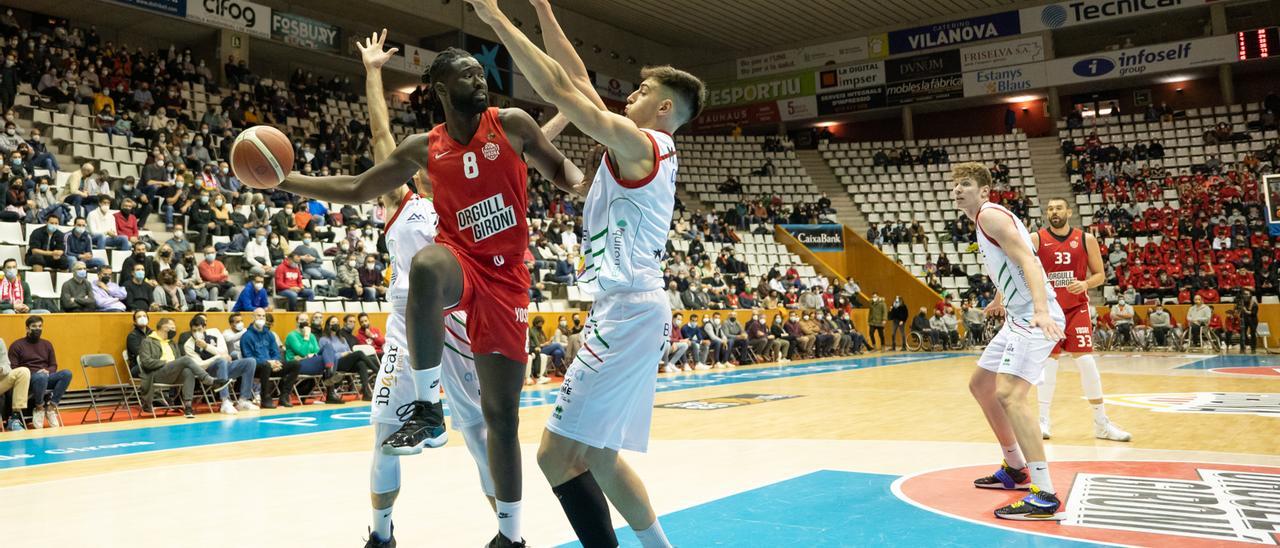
[486,10]
[371,53]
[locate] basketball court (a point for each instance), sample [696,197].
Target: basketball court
[874,450]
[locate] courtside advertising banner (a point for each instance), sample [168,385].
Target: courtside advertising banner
[305,32]
[1002,54]
[1083,12]
[1144,60]
[862,75]
[1013,79]
[844,51]
[726,118]
[952,33]
[800,108]
[818,237]
[168,7]
[727,94]
[239,15]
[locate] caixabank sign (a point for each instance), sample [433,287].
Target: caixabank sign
[818,237]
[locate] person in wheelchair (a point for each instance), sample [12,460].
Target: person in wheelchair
[1104,332]
[1161,325]
[920,325]
[1198,318]
[974,322]
[937,329]
[950,328]
[1122,315]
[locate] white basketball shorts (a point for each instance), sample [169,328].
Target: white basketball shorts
[1018,350]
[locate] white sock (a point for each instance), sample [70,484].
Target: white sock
[1048,385]
[426,384]
[509,519]
[1040,476]
[1013,457]
[653,537]
[1100,413]
[382,523]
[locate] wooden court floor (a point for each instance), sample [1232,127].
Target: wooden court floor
[722,442]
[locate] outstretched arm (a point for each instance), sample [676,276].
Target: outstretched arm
[627,144]
[384,176]
[561,49]
[374,57]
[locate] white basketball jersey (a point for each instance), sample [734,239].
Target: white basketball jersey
[625,224]
[411,228]
[1008,277]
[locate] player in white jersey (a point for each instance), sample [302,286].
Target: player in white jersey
[1014,359]
[411,227]
[606,401]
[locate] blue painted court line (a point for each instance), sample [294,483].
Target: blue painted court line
[1233,360]
[828,508]
[74,447]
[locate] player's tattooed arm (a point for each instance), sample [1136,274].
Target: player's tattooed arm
[541,154]
[399,167]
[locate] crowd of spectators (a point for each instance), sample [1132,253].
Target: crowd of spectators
[928,155]
[1203,234]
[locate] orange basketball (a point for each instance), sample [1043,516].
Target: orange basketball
[261,157]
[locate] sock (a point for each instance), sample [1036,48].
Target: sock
[1100,413]
[588,511]
[382,523]
[653,537]
[426,383]
[1013,457]
[509,519]
[1040,476]
[1048,385]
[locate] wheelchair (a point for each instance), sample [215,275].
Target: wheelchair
[1207,341]
[918,341]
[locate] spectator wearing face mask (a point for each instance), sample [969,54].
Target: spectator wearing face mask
[45,203]
[289,281]
[283,223]
[41,158]
[107,296]
[349,285]
[303,346]
[214,274]
[257,256]
[46,247]
[779,332]
[139,256]
[803,340]
[101,226]
[677,348]
[126,221]
[77,293]
[10,140]
[78,244]
[78,187]
[207,346]
[48,383]
[371,277]
[736,339]
[14,291]
[254,295]
[139,292]
[699,346]
[370,335]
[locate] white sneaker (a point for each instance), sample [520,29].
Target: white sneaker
[37,418]
[543,380]
[666,369]
[702,367]
[1109,431]
[731,365]
[228,408]
[246,405]
[51,413]
[1044,427]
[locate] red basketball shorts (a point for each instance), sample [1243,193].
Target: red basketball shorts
[496,299]
[1079,332]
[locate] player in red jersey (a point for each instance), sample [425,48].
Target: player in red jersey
[1073,262]
[476,163]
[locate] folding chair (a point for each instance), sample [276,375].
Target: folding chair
[98,361]
[162,389]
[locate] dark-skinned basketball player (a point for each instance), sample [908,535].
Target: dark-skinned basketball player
[476,162]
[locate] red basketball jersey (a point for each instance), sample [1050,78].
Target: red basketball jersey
[1065,260]
[480,192]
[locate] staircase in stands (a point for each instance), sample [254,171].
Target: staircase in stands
[1051,177]
[847,212]
[691,202]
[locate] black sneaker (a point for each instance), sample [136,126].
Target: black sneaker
[500,541]
[332,398]
[1005,478]
[423,427]
[1036,506]
[188,411]
[375,542]
[286,402]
